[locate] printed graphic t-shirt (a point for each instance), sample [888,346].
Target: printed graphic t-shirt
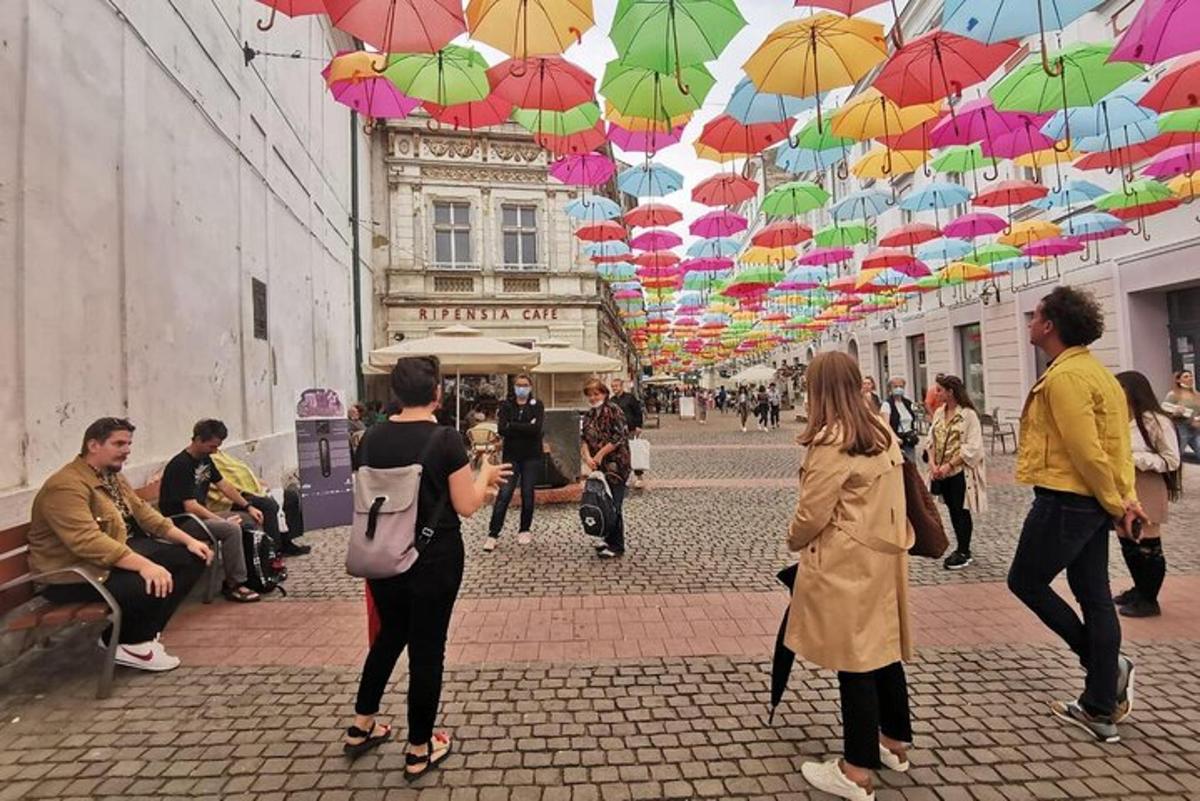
[186,478]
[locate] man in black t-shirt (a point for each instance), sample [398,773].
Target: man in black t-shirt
[185,483]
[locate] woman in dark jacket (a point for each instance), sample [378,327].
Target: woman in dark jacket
[519,422]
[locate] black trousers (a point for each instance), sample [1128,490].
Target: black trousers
[615,538]
[954,493]
[872,703]
[525,472]
[1146,564]
[292,512]
[1067,531]
[142,615]
[270,524]
[414,611]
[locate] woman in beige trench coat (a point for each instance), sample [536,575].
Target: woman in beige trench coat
[849,609]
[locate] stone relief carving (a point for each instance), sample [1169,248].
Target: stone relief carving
[483,175]
[450,148]
[403,145]
[513,151]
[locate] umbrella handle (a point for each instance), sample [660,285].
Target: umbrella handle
[578,34]
[433,125]
[518,69]
[379,67]
[368,127]
[1056,70]
[843,170]
[683,87]
[269,22]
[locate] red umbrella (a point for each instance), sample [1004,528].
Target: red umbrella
[580,142]
[649,215]
[724,190]
[782,234]
[916,138]
[549,83]
[656,258]
[1123,156]
[938,65]
[1011,193]
[492,110]
[888,257]
[607,231]
[1145,210]
[400,26]
[290,8]
[1178,88]
[725,134]
[910,235]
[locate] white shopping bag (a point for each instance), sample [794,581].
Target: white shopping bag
[277,494]
[639,453]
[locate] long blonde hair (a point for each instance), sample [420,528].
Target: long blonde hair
[836,404]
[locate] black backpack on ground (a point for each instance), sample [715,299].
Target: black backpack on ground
[265,571]
[596,511]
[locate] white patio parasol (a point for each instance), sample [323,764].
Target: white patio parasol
[560,358]
[756,374]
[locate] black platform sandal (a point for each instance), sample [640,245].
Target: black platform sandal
[430,760]
[355,750]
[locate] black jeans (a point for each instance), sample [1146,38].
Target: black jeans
[1067,531]
[775,415]
[615,539]
[525,472]
[142,615]
[292,512]
[954,494]
[872,703]
[1147,566]
[414,610]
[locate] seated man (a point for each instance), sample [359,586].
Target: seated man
[185,483]
[241,476]
[87,516]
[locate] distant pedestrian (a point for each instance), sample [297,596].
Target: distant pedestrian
[1183,404]
[722,399]
[774,404]
[1075,451]
[901,415]
[956,463]
[519,422]
[933,398]
[849,607]
[743,405]
[635,418]
[605,447]
[762,407]
[1158,479]
[869,393]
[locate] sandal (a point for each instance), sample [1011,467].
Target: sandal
[240,594]
[369,739]
[439,748]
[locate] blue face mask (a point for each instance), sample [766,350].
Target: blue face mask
[897,391]
[522,392]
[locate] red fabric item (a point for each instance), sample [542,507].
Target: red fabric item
[938,65]
[549,83]
[725,189]
[400,26]
[373,622]
[492,110]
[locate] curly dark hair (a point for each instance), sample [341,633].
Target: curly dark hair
[1076,314]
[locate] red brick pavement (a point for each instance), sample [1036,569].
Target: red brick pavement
[585,628]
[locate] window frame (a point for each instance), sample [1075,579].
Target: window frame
[453,228]
[520,230]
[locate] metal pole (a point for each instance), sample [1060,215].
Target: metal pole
[355,255]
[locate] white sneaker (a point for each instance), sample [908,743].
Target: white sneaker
[891,761]
[605,553]
[828,776]
[524,537]
[489,544]
[149,655]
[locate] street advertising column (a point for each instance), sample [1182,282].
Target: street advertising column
[323,448]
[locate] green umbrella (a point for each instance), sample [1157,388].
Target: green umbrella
[844,235]
[665,35]
[453,75]
[1138,193]
[959,158]
[814,137]
[640,92]
[793,199]
[558,123]
[1185,120]
[1087,76]
[990,254]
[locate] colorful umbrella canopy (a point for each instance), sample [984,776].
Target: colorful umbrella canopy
[861,205]
[1027,232]
[643,141]
[594,208]
[1182,121]
[400,26]
[523,28]
[1185,187]
[847,7]
[550,83]
[1117,109]
[656,239]
[649,215]
[1013,264]
[976,224]
[823,256]
[1137,193]
[724,190]
[664,35]
[715,247]
[353,81]
[1179,87]
[944,249]
[492,110]
[936,195]
[724,134]
[976,121]
[641,92]
[959,159]
[558,123]
[1088,225]
[1087,76]
[844,235]
[881,162]
[1047,248]
[1024,137]
[749,105]
[1072,193]
[1162,29]
[1011,193]
[793,199]
[910,235]
[993,252]
[781,234]
[607,231]
[797,160]
[960,272]
[579,142]
[871,114]
[1179,160]
[894,258]
[643,124]
[939,64]
[454,74]
[649,180]
[994,21]
[584,169]
[718,224]
[607,249]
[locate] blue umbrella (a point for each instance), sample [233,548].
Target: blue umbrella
[1012,265]
[593,209]
[623,285]
[861,205]
[806,274]
[1093,223]
[1072,193]
[936,195]
[798,160]
[1122,136]
[717,246]
[748,105]
[649,180]
[614,248]
[616,271]
[1117,109]
[944,249]
[992,21]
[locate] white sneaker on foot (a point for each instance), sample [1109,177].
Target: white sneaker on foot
[828,776]
[490,544]
[149,655]
[891,761]
[524,537]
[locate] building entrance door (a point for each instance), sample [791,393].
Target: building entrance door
[1183,323]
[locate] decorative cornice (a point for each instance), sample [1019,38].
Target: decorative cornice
[450,148]
[481,175]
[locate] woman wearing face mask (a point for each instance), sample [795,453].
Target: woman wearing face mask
[520,424]
[1183,404]
[605,447]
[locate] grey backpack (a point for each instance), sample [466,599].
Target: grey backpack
[386,534]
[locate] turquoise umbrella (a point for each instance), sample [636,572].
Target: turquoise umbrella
[649,180]
[593,209]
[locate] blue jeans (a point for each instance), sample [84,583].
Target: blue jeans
[615,539]
[524,472]
[1188,438]
[1067,531]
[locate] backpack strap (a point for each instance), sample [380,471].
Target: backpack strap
[438,507]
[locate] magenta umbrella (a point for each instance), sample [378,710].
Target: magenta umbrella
[643,141]
[1054,246]
[976,121]
[1174,161]
[718,223]
[656,239]
[370,94]
[1025,137]
[707,264]
[583,169]
[1162,29]
[975,224]
[820,257]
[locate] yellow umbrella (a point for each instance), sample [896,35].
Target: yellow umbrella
[643,124]
[523,28]
[871,115]
[709,153]
[808,56]
[882,162]
[355,66]
[1186,186]
[1039,159]
[764,255]
[1027,232]
[960,271]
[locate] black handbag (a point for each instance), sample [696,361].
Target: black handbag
[935,486]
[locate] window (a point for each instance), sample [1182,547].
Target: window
[883,367]
[258,295]
[519,226]
[452,234]
[916,359]
[970,351]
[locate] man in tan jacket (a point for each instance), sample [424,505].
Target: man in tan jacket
[87,517]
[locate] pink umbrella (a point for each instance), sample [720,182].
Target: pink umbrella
[1174,161]
[1055,246]
[797,286]
[819,257]
[718,223]
[643,141]
[1162,29]
[290,8]
[1026,137]
[656,239]
[400,26]
[975,224]
[368,93]
[583,169]
[707,264]
[976,121]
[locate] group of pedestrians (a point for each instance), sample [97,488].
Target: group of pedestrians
[765,402]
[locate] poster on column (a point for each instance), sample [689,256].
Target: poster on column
[323,450]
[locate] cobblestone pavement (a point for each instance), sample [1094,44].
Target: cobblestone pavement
[674,708]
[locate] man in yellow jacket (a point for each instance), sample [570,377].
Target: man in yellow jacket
[1075,451]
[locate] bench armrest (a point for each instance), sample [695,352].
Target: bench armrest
[97,585]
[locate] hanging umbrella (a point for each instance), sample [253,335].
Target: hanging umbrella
[654,124]
[353,80]
[1185,187]
[861,205]
[719,247]
[1118,109]
[709,153]
[870,114]
[797,160]
[492,110]
[1087,225]
[844,235]
[960,272]
[1179,160]
[1177,88]
[881,163]
[593,209]
[1086,77]
[656,239]
[1011,193]
[805,57]
[724,134]
[793,199]
[454,74]
[607,249]
[974,225]
[641,92]
[1072,193]
[944,249]
[1181,121]
[767,255]
[717,224]
[649,215]
[1026,232]
[993,252]
[936,195]
[656,260]
[649,180]
[1052,247]
[724,189]
[749,105]
[400,26]
[994,21]
[549,83]
[1162,29]
[666,35]
[1124,155]
[617,271]
[781,234]
[558,123]
[584,169]
[289,8]
[895,259]
[1138,193]
[584,141]
[975,121]
[643,141]
[1013,264]
[959,159]
[607,231]
[939,65]
[523,28]
[910,235]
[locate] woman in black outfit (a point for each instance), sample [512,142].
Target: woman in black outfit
[414,607]
[519,422]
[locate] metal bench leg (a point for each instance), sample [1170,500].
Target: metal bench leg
[104,690]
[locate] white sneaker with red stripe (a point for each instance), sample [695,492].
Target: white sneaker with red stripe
[149,655]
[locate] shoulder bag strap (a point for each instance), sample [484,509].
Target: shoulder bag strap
[438,507]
